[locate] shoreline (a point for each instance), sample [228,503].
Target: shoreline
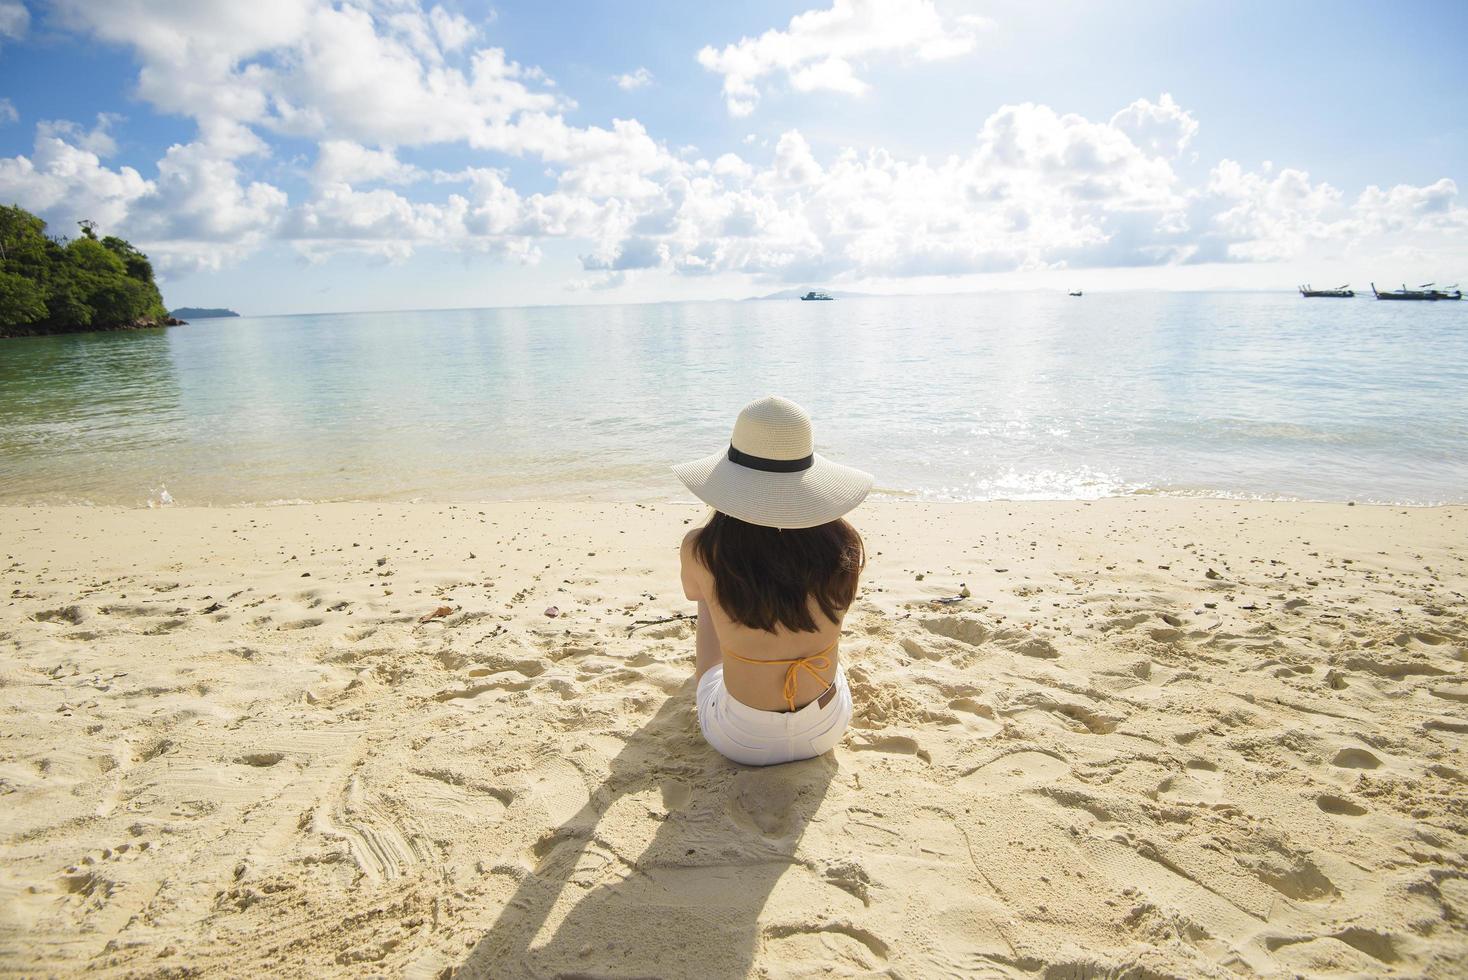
[1185,735]
[878,498]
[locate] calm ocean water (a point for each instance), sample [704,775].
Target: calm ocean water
[975,397]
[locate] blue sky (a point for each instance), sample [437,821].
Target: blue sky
[303,155]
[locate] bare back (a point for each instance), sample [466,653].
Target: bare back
[757,685]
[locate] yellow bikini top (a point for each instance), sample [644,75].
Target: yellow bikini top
[813,664]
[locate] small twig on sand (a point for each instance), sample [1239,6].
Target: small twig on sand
[638,624]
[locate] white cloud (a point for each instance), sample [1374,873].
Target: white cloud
[202,197]
[1267,216]
[1408,208]
[1162,128]
[312,69]
[1039,189]
[1264,216]
[15,20]
[8,113]
[98,139]
[66,184]
[641,78]
[452,30]
[795,165]
[821,49]
[345,162]
[1035,189]
[732,165]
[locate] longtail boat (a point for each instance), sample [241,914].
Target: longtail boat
[1339,292]
[1423,293]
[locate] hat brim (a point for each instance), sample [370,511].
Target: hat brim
[806,498]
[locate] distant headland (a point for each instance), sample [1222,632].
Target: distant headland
[200,313]
[58,285]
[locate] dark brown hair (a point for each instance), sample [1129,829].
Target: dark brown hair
[764,576]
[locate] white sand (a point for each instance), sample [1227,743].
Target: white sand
[229,746]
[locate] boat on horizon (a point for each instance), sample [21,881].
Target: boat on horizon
[1423,293]
[1340,292]
[1075,292]
[816,296]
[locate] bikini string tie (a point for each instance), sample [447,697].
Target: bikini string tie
[813,665]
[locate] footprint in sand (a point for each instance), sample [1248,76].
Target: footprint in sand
[676,794]
[1283,867]
[1394,669]
[592,860]
[1078,717]
[1124,622]
[88,877]
[380,844]
[560,788]
[1199,782]
[1027,645]
[504,680]
[1014,771]
[1038,647]
[958,628]
[1339,805]
[121,852]
[128,612]
[832,943]
[891,744]
[977,717]
[440,796]
[917,651]
[1420,637]
[73,615]
[761,801]
[1353,758]
[167,626]
[848,875]
[149,751]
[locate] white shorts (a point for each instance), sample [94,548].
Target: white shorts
[765,738]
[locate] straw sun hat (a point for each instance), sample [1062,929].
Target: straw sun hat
[771,474]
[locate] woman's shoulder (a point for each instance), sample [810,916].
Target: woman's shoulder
[688,550]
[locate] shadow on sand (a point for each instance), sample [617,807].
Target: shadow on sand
[600,903]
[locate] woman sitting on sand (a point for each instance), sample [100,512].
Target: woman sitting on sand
[773,573]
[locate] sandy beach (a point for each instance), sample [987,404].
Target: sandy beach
[1163,737]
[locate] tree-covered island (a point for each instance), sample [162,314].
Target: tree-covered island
[202,313]
[52,285]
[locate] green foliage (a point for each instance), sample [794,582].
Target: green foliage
[138,266]
[51,286]
[22,300]
[91,256]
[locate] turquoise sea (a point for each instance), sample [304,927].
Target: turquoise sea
[1017,395]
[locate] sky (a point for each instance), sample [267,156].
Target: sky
[293,156]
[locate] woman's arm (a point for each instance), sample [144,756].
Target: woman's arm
[692,590]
